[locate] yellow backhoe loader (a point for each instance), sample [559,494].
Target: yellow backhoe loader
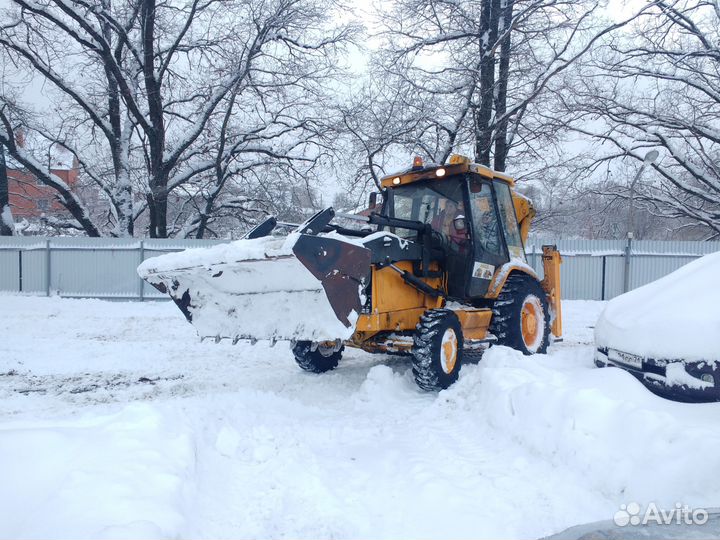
[437,269]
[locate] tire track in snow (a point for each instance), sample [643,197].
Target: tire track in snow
[387,461]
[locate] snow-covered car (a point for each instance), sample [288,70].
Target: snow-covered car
[667,333]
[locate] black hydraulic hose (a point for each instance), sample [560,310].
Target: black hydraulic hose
[419,284]
[377,219]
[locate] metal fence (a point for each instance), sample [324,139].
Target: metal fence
[105,268]
[603,269]
[83,267]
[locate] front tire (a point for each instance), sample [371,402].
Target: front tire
[437,351]
[521,317]
[317,357]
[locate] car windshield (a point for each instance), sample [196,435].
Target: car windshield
[433,202]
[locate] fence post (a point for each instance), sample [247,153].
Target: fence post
[604,262]
[628,254]
[48,266]
[534,257]
[141,291]
[20,276]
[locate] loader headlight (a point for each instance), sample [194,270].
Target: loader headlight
[396,181]
[440,172]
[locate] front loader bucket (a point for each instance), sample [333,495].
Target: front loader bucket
[303,287]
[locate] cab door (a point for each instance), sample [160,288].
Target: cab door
[508,221]
[489,249]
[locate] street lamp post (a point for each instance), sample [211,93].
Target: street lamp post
[649,159]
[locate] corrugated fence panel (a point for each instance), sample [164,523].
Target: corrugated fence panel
[674,247]
[154,248]
[571,247]
[35,271]
[581,277]
[581,272]
[534,258]
[647,268]
[34,260]
[614,274]
[9,270]
[106,267]
[653,259]
[94,267]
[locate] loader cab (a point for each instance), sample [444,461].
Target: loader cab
[475,224]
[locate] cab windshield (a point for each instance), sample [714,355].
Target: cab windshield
[438,203]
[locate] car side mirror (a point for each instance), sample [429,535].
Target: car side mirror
[372,203]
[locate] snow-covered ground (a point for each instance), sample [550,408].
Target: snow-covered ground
[116,422]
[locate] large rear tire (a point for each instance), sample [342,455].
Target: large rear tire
[437,351]
[521,317]
[317,357]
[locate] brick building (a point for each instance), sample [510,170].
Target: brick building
[29,198]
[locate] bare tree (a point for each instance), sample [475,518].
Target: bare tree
[155,76]
[484,65]
[378,122]
[656,87]
[288,136]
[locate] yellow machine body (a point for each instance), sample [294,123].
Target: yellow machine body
[397,306]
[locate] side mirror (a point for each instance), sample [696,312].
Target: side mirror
[372,203]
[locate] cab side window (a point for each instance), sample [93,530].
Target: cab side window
[509,220]
[485,223]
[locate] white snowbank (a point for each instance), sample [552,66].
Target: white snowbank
[675,317]
[622,440]
[258,248]
[111,476]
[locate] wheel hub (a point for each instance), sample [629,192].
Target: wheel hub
[448,355]
[532,322]
[327,348]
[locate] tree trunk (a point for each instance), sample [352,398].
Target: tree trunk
[490,17]
[202,227]
[161,208]
[501,143]
[157,207]
[205,217]
[156,135]
[6,220]
[123,200]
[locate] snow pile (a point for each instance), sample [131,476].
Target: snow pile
[675,317]
[111,476]
[240,250]
[266,299]
[7,218]
[623,441]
